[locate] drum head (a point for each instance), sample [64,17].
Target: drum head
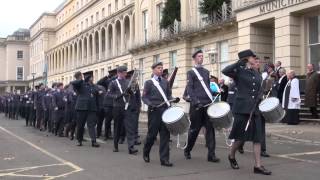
[219,109]
[269,104]
[172,115]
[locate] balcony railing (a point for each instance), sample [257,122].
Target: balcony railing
[223,15]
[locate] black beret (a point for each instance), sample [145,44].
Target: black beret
[154,65]
[122,69]
[113,72]
[197,52]
[87,75]
[246,53]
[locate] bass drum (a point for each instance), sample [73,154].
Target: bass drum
[271,110]
[176,120]
[220,115]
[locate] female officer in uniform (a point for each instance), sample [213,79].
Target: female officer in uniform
[248,82]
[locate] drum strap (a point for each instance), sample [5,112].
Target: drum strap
[121,91]
[203,84]
[157,84]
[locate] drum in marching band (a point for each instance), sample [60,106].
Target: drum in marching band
[220,115]
[271,110]
[176,120]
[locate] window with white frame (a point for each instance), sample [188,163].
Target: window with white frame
[145,25]
[159,14]
[109,9]
[103,13]
[20,55]
[223,56]
[102,72]
[116,5]
[97,16]
[156,58]
[20,73]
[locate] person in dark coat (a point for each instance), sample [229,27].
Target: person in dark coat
[198,112]
[249,85]
[232,90]
[46,103]
[58,103]
[100,113]
[86,106]
[281,83]
[71,98]
[312,83]
[38,105]
[153,98]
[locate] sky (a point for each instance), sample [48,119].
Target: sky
[15,14]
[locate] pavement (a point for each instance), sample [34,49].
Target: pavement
[27,153]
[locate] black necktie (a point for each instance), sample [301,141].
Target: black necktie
[159,79]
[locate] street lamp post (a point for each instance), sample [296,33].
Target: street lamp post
[33,74]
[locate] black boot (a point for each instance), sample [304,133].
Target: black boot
[115,148]
[233,163]
[133,151]
[95,144]
[146,157]
[187,155]
[79,143]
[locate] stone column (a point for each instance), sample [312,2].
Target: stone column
[121,37]
[114,37]
[77,53]
[88,51]
[82,52]
[288,42]
[107,53]
[100,45]
[131,31]
[94,58]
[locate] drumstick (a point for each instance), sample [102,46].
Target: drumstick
[211,102]
[166,102]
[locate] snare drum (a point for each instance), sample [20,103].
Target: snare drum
[271,110]
[176,120]
[220,115]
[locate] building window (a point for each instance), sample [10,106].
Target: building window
[102,72]
[91,20]
[159,13]
[223,56]
[109,68]
[96,75]
[173,60]
[103,13]
[87,22]
[141,72]
[97,16]
[145,25]
[116,5]
[109,9]
[19,54]
[156,58]
[81,25]
[314,41]
[20,73]
[125,64]
[124,2]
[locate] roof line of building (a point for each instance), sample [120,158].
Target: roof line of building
[43,14]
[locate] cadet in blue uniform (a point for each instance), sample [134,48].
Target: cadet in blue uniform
[248,82]
[59,108]
[153,98]
[198,113]
[86,106]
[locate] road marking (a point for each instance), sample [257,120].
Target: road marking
[61,160]
[295,139]
[302,154]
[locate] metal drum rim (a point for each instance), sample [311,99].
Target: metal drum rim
[272,108]
[221,115]
[175,120]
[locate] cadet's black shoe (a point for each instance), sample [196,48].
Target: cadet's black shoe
[187,155]
[71,138]
[133,151]
[233,163]
[213,159]
[166,163]
[121,141]
[241,151]
[146,157]
[264,154]
[95,144]
[79,143]
[261,170]
[137,143]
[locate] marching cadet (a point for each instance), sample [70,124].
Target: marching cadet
[46,103]
[86,106]
[249,93]
[33,110]
[107,103]
[71,98]
[134,108]
[156,91]
[198,84]
[100,113]
[51,109]
[38,105]
[118,91]
[59,107]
